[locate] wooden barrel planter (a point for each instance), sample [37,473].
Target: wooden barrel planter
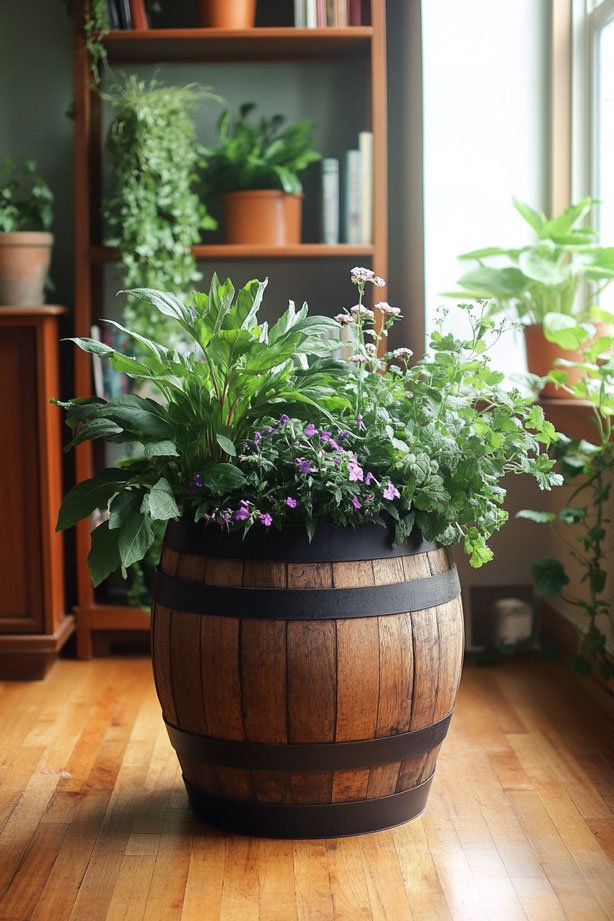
[306,687]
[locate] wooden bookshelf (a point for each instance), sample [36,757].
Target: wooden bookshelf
[363,47]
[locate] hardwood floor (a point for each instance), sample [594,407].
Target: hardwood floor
[94,824]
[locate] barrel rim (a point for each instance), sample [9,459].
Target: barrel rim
[330,544]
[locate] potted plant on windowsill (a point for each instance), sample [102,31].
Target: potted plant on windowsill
[255,167]
[26,215]
[307,627]
[545,279]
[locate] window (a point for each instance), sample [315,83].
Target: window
[601,113]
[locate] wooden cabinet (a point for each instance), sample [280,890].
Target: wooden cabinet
[344,70]
[33,623]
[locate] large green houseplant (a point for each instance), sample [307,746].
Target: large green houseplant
[26,217]
[255,166]
[544,279]
[307,500]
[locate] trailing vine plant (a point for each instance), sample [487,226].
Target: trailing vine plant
[153,215]
[95,26]
[589,468]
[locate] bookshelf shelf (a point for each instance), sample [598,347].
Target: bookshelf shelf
[207,252]
[259,44]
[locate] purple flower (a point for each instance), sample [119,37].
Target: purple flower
[355,472]
[304,466]
[310,429]
[241,514]
[391,492]
[290,502]
[359,311]
[269,429]
[361,425]
[266,520]
[336,461]
[360,275]
[283,420]
[343,435]
[369,478]
[385,307]
[343,318]
[402,353]
[195,484]
[257,438]
[356,503]
[325,436]
[333,444]
[358,359]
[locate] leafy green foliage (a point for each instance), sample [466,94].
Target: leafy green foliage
[237,373]
[153,215]
[590,469]
[544,277]
[257,155]
[26,201]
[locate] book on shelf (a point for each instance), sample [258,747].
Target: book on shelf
[321,13]
[351,197]
[113,15]
[355,13]
[330,201]
[331,19]
[300,15]
[311,15]
[125,16]
[365,146]
[139,15]
[341,13]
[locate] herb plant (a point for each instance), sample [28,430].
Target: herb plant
[153,214]
[257,154]
[546,276]
[26,201]
[583,525]
[262,426]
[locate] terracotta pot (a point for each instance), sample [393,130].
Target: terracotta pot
[24,265]
[266,217]
[286,684]
[542,357]
[227,14]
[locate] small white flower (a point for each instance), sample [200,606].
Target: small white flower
[385,307]
[402,353]
[359,310]
[343,318]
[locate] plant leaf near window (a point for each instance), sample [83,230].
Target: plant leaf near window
[153,214]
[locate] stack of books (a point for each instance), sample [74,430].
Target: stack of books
[347,195]
[127,14]
[318,14]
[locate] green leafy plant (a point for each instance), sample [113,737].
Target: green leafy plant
[257,154]
[153,214]
[262,426]
[546,276]
[589,469]
[26,201]
[95,25]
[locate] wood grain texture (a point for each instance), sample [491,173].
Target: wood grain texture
[95,823]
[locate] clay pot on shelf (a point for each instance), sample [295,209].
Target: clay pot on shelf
[24,266]
[264,217]
[542,357]
[227,14]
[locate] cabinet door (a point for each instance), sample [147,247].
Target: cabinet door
[21,589]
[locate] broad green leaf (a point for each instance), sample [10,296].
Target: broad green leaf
[222,478]
[92,494]
[534,218]
[126,504]
[160,449]
[532,515]
[226,445]
[549,577]
[96,428]
[544,271]
[165,302]
[566,331]
[103,558]
[563,223]
[135,538]
[498,283]
[94,346]
[160,502]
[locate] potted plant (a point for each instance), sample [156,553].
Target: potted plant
[153,214]
[584,523]
[255,167]
[26,214]
[227,14]
[543,278]
[307,627]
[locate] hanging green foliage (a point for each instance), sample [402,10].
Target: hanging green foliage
[152,214]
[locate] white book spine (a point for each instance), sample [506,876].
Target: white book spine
[352,205]
[330,201]
[99,388]
[311,14]
[299,14]
[365,145]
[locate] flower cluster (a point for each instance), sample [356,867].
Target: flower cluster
[362,321]
[296,472]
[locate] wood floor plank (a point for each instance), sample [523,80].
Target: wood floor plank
[95,824]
